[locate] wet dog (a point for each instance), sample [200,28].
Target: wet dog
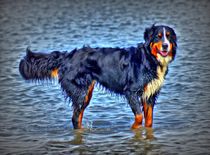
[137,72]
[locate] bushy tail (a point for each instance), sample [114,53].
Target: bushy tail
[41,66]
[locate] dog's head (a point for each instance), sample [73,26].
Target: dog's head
[161,42]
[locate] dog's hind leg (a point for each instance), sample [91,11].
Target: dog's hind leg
[80,105]
[77,118]
[135,105]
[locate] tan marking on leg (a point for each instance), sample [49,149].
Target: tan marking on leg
[54,73]
[80,119]
[86,102]
[89,92]
[148,114]
[138,121]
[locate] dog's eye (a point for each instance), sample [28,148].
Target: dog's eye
[167,34]
[159,35]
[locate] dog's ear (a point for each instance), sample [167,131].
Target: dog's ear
[148,33]
[174,40]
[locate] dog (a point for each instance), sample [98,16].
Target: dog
[137,73]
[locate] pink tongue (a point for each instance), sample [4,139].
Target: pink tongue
[164,53]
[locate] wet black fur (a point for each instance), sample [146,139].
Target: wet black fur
[124,71]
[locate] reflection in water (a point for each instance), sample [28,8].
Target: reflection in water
[142,140]
[78,137]
[140,134]
[143,134]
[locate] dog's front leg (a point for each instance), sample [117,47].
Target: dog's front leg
[148,113]
[135,105]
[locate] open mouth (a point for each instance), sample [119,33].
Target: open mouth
[163,53]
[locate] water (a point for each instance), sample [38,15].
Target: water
[35,119]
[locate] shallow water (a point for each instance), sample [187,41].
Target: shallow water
[35,119]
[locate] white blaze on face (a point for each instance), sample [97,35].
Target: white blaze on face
[164,56]
[165,40]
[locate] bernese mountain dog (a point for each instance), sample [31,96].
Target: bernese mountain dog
[137,73]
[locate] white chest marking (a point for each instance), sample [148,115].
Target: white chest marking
[155,85]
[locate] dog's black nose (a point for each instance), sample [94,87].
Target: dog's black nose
[165,46]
